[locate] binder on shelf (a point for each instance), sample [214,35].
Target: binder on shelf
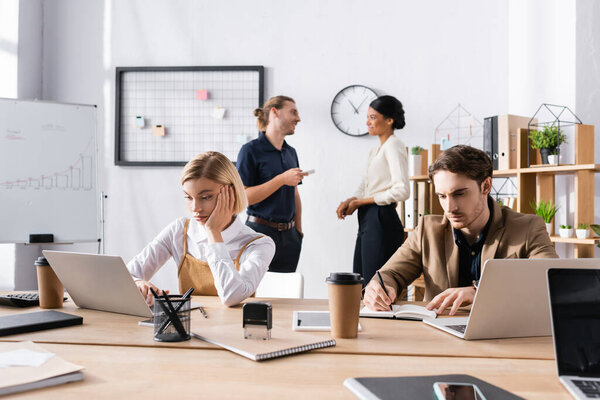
[422,198]
[508,137]
[410,207]
[400,211]
[490,139]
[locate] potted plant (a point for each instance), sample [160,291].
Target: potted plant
[554,156]
[566,231]
[582,231]
[414,161]
[547,141]
[546,210]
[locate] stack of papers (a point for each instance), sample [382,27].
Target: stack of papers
[27,366]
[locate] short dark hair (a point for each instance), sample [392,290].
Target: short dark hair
[390,107]
[461,159]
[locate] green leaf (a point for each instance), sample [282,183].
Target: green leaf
[416,150]
[545,209]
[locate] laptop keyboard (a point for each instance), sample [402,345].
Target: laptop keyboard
[458,328]
[591,389]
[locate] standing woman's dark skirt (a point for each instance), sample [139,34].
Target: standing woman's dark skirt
[380,233]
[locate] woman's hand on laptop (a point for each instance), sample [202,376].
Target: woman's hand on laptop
[144,287]
[462,296]
[375,297]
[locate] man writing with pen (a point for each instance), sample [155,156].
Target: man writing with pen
[449,250]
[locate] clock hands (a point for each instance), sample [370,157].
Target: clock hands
[361,103]
[357,108]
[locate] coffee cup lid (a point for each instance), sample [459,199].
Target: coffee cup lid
[344,278]
[41,261]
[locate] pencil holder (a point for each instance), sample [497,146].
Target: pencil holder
[172,319]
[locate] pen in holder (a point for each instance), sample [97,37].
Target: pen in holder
[172,316]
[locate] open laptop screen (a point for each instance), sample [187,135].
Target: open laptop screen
[575,306]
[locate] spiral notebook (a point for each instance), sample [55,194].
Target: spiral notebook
[283,342]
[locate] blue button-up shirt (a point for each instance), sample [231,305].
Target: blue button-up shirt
[259,162]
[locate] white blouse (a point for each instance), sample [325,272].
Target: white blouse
[386,178]
[232,286]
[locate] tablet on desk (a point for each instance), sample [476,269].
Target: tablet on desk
[313,321]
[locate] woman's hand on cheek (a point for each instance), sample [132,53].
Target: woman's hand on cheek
[222,214]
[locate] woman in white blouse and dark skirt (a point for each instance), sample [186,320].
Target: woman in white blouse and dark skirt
[385,183]
[216,253]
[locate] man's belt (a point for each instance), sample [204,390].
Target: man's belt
[280,226]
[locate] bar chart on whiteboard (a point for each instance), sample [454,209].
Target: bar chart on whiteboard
[48,173]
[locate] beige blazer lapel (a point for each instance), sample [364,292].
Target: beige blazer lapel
[494,235]
[452,256]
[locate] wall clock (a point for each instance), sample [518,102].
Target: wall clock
[349,109]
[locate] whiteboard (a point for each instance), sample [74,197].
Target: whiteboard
[48,181]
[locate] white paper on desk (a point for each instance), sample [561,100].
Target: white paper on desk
[23,358]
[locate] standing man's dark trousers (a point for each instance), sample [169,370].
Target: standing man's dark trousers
[380,233]
[288,244]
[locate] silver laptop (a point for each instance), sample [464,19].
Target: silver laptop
[511,300]
[575,315]
[98,282]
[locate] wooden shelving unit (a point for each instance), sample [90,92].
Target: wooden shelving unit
[574,240]
[537,182]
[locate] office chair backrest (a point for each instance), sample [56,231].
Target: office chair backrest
[289,285]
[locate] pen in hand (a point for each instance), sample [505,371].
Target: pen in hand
[383,287]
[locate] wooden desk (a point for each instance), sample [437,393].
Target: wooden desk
[137,372]
[122,360]
[379,336]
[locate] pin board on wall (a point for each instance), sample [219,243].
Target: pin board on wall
[165,116]
[48,181]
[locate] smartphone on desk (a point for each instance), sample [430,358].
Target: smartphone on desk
[456,391]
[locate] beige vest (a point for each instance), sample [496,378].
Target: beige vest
[197,274]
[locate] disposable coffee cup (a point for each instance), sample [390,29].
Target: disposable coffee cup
[50,287]
[344,290]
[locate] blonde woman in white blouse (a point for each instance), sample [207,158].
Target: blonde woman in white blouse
[385,183]
[216,253]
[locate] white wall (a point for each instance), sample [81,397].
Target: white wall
[431,55]
[588,79]
[9,43]
[492,57]
[542,69]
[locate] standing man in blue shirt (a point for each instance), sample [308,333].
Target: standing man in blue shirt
[270,172]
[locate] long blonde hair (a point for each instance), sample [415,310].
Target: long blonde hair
[218,168]
[262,114]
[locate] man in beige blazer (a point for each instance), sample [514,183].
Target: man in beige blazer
[449,250]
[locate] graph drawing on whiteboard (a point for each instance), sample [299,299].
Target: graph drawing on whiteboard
[48,171]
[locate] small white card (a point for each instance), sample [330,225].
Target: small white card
[23,358]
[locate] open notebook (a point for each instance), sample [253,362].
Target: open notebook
[404,311]
[283,341]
